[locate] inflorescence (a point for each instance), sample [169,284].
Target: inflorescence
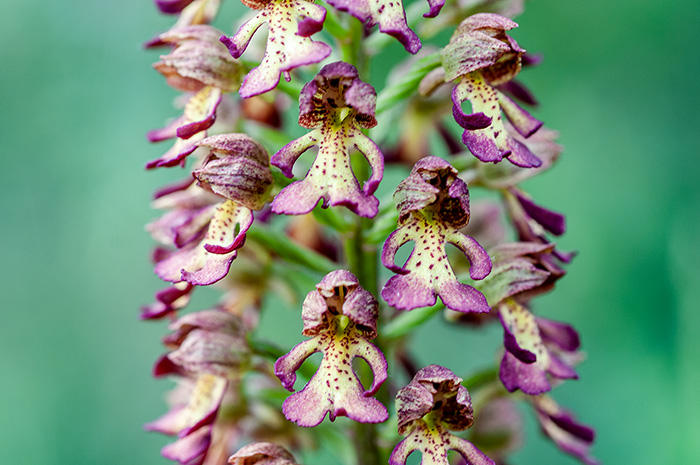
[259,219]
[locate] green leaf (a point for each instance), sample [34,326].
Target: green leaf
[382,227]
[277,241]
[407,85]
[408,321]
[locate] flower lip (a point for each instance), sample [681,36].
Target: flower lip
[335,389]
[288,46]
[335,105]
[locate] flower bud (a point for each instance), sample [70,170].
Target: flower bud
[262,453]
[198,60]
[481,43]
[238,169]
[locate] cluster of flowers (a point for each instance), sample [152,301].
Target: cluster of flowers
[229,381]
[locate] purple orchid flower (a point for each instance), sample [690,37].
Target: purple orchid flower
[431,405]
[433,206]
[483,56]
[201,66]
[390,16]
[236,169]
[208,348]
[533,348]
[341,317]
[336,105]
[289,44]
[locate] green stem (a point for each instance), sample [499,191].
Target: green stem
[408,321]
[290,250]
[480,378]
[408,83]
[351,46]
[361,260]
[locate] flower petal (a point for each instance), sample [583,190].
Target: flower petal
[287,365]
[562,427]
[288,45]
[525,124]
[491,143]
[527,360]
[177,153]
[200,112]
[341,317]
[481,44]
[336,104]
[210,260]
[390,16]
[336,389]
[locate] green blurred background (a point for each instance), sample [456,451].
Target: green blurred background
[619,81]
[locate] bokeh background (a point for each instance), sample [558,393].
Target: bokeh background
[77,94]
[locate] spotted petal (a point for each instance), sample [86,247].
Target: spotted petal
[433,205]
[433,403]
[341,316]
[527,361]
[338,105]
[290,22]
[330,177]
[335,388]
[434,442]
[209,261]
[492,143]
[390,16]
